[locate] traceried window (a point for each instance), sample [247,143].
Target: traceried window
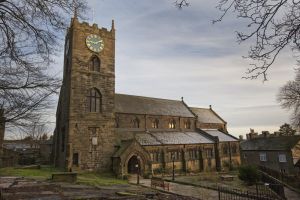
[193,154]
[282,157]
[209,153]
[176,155]
[263,156]
[172,124]
[155,156]
[155,123]
[225,149]
[187,124]
[234,148]
[94,100]
[94,64]
[136,123]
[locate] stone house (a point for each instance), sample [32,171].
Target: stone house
[97,129]
[281,153]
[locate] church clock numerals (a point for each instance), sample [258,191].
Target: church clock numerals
[94,43]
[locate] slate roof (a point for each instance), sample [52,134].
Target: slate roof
[147,139]
[271,143]
[122,148]
[146,105]
[160,138]
[206,115]
[223,137]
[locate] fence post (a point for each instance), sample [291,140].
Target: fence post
[219,193]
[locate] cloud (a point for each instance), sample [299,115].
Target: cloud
[167,53]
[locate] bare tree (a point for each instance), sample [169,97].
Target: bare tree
[289,98]
[31,33]
[36,130]
[272,25]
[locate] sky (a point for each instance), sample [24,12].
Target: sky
[168,53]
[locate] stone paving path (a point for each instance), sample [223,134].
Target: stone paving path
[201,193]
[18,188]
[291,195]
[185,190]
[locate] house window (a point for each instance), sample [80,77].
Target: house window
[94,100]
[209,153]
[282,157]
[94,64]
[263,157]
[155,123]
[187,124]
[136,123]
[172,124]
[75,159]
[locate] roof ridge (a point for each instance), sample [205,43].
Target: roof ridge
[147,97]
[199,108]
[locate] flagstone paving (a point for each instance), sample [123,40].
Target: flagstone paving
[18,188]
[186,190]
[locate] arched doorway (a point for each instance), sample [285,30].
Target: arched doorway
[133,165]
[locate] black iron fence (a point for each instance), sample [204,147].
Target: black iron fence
[292,180]
[262,192]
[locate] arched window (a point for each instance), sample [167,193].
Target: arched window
[94,64]
[172,124]
[155,123]
[94,100]
[187,124]
[136,123]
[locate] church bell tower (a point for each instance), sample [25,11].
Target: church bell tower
[85,135]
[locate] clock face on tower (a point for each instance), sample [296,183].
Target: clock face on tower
[94,43]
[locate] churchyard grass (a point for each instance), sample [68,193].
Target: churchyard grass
[96,179]
[45,172]
[212,180]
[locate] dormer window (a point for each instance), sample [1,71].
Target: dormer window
[172,124]
[136,123]
[187,124]
[155,123]
[94,64]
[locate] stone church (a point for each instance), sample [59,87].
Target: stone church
[99,130]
